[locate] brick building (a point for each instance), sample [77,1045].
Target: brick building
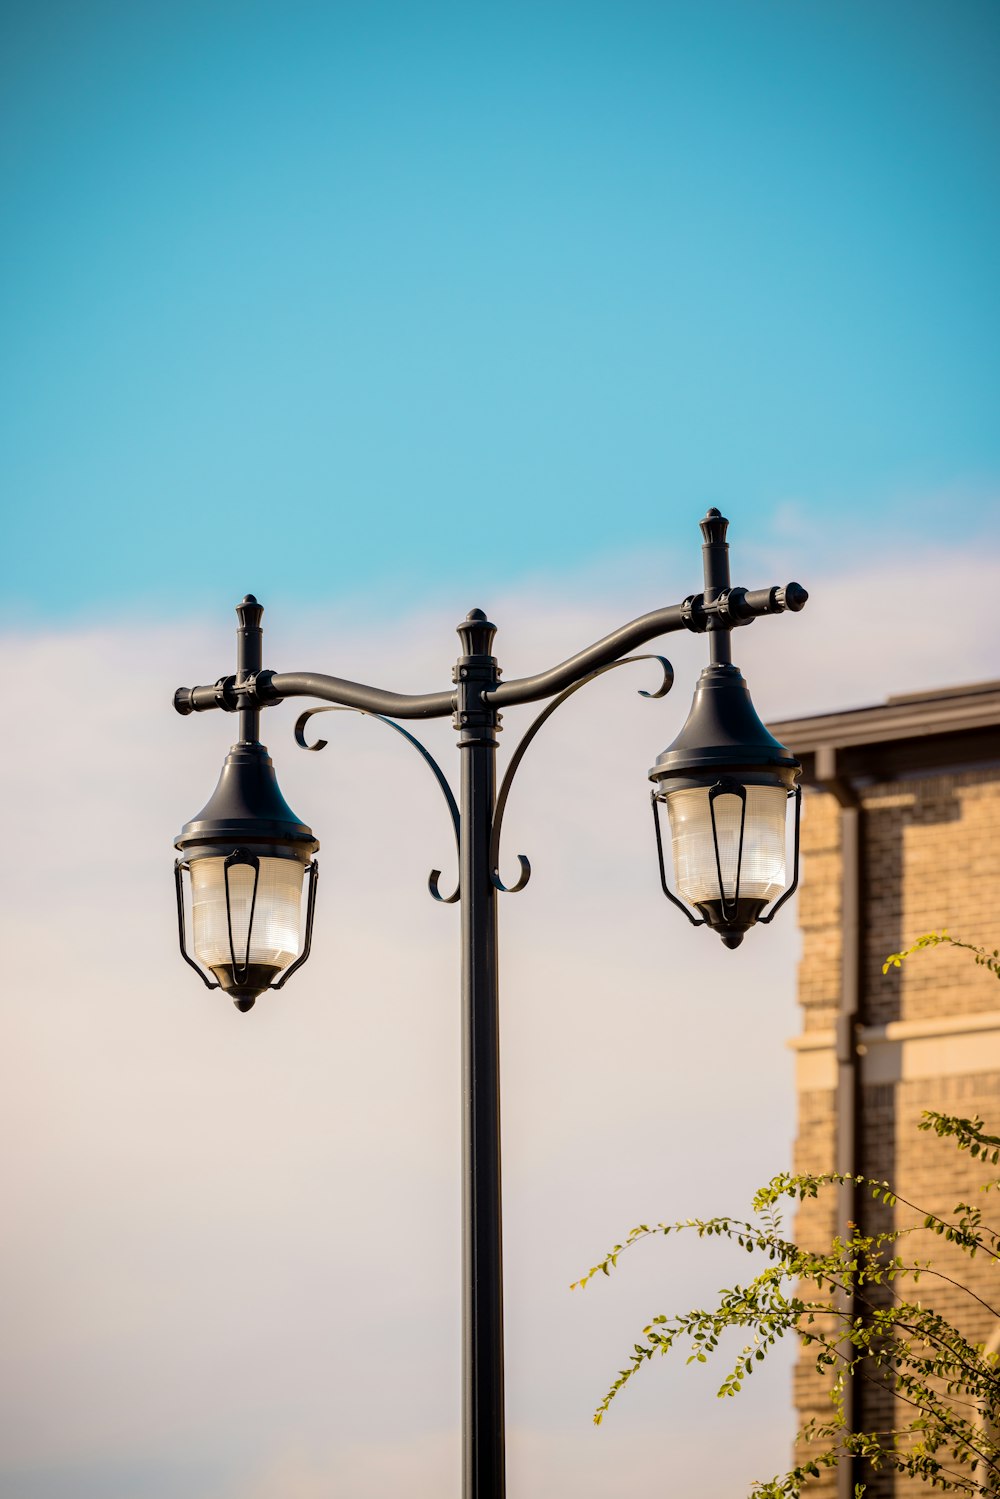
[900,836]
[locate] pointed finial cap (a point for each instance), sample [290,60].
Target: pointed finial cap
[476,634]
[714,527]
[249,613]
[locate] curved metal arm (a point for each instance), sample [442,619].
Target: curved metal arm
[518,756]
[265,688]
[735,604]
[425,754]
[271,687]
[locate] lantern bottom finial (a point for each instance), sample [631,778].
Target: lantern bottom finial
[252,982]
[733,920]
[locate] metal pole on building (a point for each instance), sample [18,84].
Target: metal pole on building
[830,779]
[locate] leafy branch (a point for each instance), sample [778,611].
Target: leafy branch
[855,1306]
[982,955]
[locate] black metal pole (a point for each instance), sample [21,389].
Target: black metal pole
[249,660]
[715,562]
[483,1465]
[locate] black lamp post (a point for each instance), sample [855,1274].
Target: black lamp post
[726,783]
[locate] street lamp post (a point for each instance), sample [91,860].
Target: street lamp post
[726,783]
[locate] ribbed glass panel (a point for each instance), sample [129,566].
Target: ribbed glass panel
[275,936]
[762,873]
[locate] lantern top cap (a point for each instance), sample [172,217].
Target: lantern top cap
[723,733]
[247,810]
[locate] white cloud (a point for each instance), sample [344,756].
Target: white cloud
[238,1237]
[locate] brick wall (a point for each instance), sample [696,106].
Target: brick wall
[931,850]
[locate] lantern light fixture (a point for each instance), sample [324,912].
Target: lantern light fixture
[725,779]
[726,783]
[247,857]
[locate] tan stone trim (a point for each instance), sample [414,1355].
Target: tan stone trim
[906,1049]
[813,1040]
[816,1060]
[945,1025]
[903,1049]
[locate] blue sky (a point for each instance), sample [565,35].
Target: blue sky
[358,302]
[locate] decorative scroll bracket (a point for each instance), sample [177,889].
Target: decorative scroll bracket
[519,752]
[435,875]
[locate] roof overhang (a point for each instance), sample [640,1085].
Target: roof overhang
[908,735]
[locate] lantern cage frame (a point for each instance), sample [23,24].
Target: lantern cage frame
[245,994]
[727,918]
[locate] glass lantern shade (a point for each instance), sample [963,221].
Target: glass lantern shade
[240,952]
[728,843]
[728,840]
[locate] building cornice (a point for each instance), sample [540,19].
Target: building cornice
[902,736]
